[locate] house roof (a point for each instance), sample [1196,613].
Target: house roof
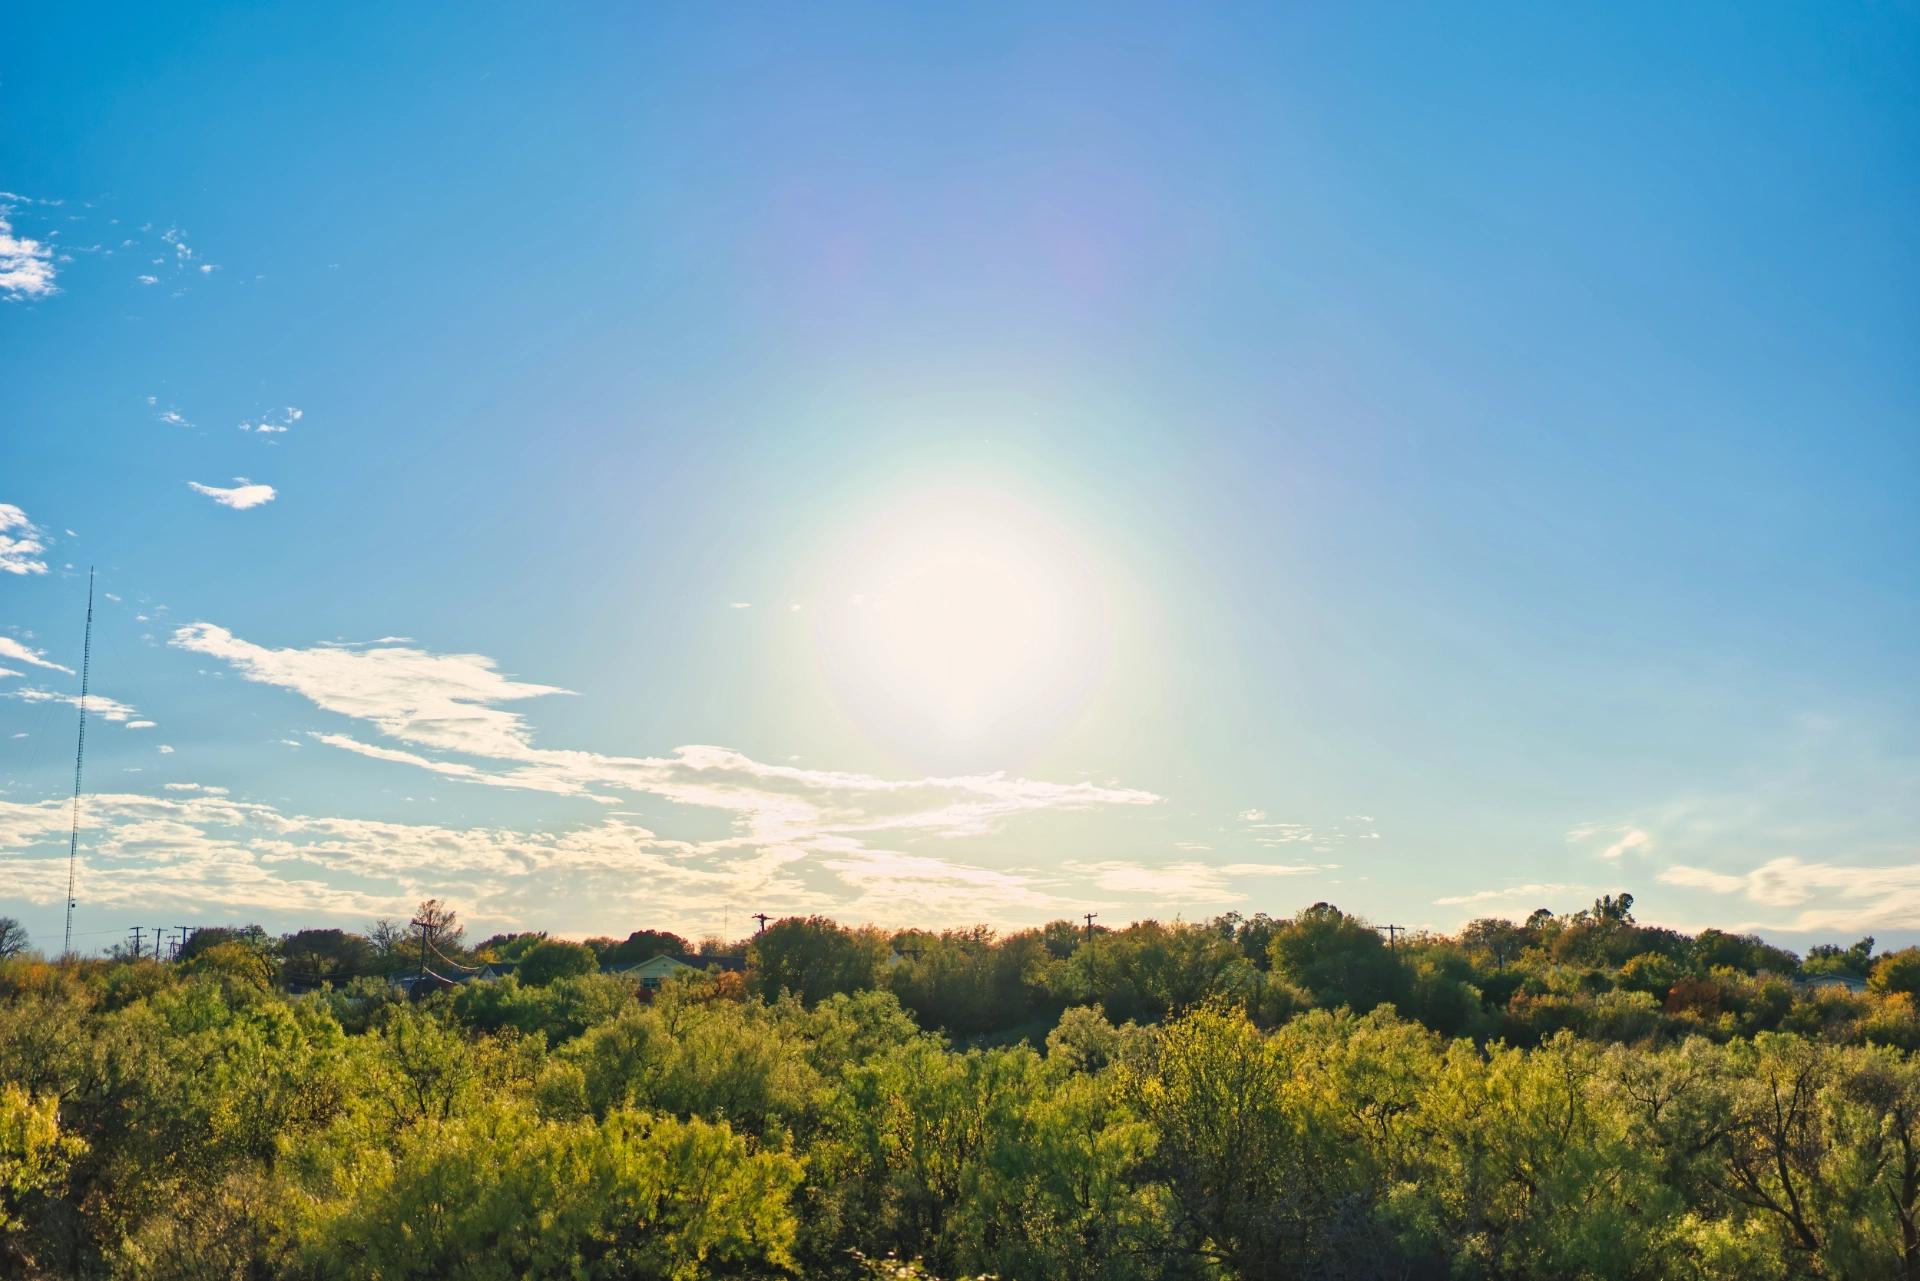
[667,961]
[1847,981]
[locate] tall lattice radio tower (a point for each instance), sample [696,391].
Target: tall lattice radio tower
[79,759]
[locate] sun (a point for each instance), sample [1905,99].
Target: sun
[964,618]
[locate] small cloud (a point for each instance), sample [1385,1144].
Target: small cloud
[26,266]
[173,418]
[149,280]
[165,750]
[1253,816]
[140,724]
[243,496]
[741,604]
[21,543]
[274,423]
[1625,838]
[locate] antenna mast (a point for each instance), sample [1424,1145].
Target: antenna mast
[79,756]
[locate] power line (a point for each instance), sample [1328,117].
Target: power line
[79,757]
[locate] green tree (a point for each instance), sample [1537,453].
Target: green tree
[814,958]
[1150,970]
[1499,940]
[1830,958]
[210,936]
[1748,953]
[1650,973]
[1340,959]
[237,962]
[552,959]
[643,945]
[313,957]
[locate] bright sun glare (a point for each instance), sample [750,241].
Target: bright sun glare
[967,618]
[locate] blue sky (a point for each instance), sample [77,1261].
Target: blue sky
[962,466]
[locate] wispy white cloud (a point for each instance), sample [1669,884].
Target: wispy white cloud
[26,266]
[444,713]
[449,703]
[1186,882]
[1853,898]
[1534,895]
[13,649]
[441,701]
[197,845]
[1622,838]
[22,543]
[1262,829]
[107,709]
[242,496]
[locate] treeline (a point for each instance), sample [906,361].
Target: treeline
[1595,972]
[1575,1096]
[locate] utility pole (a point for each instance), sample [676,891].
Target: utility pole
[137,950]
[1393,931]
[763,918]
[1090,916]
[158,932]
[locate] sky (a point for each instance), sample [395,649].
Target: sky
[640,466]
